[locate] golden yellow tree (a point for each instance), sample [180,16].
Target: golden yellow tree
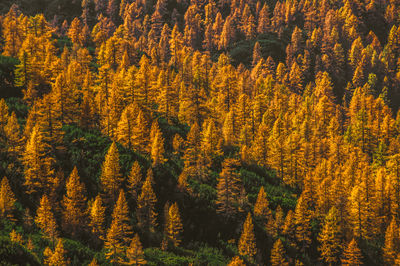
[146,201]
[74,215]
[352,255]
[111,177]
[157,146]
[37,166]
[302,218]
[7,200]
[278,254]
[56,258]
[236,261]
[45,219]
[135,253]
[228,188]
[13,136]
[119,232]
[329,238]
[392,242]
[174,225]
[261,207]
[247,241]
[134,180]
[97,217]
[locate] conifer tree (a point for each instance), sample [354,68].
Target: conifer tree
[261,207]
[74,216]
[302,219]
[37,166]
[7,199]
[45,219]
[97,217]
[135,253]
[13,135]
[247,241]
[56,258]
[146,201]
[135,180]
[352,254]
[329,237]
[174,225]
[278,254]
[236,261]
[157,148]
[111,177]
[257,55]
[228,188]
[118,234]
[392,242]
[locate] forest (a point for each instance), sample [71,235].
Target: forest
[202,132]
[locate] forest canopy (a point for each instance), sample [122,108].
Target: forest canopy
[177,132]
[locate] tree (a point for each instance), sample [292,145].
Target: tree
[7,200]
[157,148]
[278,254]
[352,254]
[135,180]
[146,201]
[261,207]
[97,217]
[263,20]
[56,258]
[247,241]
[37,165]
[13,136]
[74,216]
[135,253]
[392,242]
[228,188]
[120,230]
[174,225]
[302,219]
[236,261]
[111,177]
[45,219]
[329,237]
[257,55]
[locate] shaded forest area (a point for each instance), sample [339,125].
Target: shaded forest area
[177,132]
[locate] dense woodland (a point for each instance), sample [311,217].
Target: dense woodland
[177,132]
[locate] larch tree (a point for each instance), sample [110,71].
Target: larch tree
[329,238]
[135,180]
[145,210]
[278,254]
[12,132]
[236,261]
[97,218]
[261,207]
[74,215]
[37,166]
[302,218]
[174,225]
[7,199]
[56,258]
[157,148]
[247,241]
[118,234]
[257,55]
[45,219]
[134,252]
[352,255]
[228,188]
[392,242]
[111,177]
